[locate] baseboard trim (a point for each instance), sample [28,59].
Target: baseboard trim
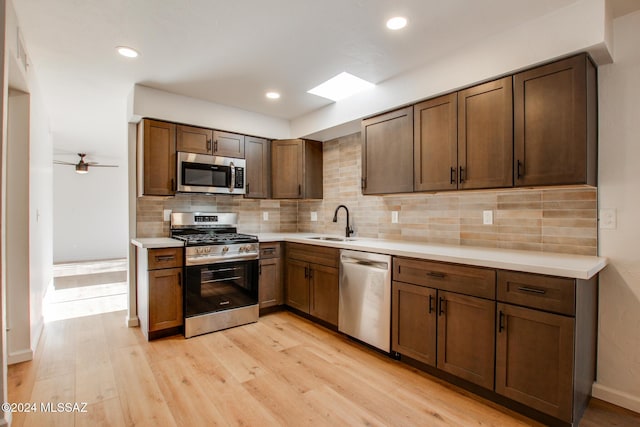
[132,322]
[19,356]
[617,397]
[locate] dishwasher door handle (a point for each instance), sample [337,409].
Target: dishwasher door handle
[365,262]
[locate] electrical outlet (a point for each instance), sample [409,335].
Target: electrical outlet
[166,215]
[394,217]
[314,216]
[265,216]
[487,217]
[608,220]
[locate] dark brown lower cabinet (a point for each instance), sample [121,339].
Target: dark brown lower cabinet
[413,322]
[534,359]
[466,346]
[312,281]
[270,285]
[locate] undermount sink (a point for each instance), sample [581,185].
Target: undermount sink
[332,239]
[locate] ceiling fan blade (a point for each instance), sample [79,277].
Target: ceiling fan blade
[60,162]
[102,166]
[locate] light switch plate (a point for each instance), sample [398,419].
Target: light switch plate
[487,217]
[608,220]
[166,215]
[265,216]
[314,216]
[394,217]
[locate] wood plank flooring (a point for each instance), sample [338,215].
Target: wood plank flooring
[282,370]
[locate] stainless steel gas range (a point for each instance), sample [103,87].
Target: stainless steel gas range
[220,283]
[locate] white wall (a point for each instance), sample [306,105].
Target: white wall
[17,231]
[90,212]
[619,184]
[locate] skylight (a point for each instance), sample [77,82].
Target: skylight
[341,86]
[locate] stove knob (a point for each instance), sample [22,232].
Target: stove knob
[225,250]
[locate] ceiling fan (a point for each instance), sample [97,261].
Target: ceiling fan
[82,166]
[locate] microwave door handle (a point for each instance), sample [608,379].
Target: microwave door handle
[233,177]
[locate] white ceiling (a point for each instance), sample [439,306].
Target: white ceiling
[232,52]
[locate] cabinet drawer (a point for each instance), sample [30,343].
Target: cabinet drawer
[315,254]
[269,250]
[475,281]
[556,294]
[165,258]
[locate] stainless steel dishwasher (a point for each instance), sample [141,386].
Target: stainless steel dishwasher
[365,297]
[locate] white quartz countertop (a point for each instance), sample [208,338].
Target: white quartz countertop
[157,242]
[554,264]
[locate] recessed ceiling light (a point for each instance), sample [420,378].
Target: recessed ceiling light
[341,86]
[397,23]
[272,95]
[127,51]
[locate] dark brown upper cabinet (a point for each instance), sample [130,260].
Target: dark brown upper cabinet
[485,135]
[387,153]
[228,144]
[258,171]
[194,139]
[296,169]
[156,158]
[436,144]
[555,116]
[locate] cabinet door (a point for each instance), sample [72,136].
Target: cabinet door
[324,293]
[286,168]
[485,135]
[297,285]
[165,299]
[156,158]
[436,144]
[551,123]
[194,139]
[413,321]
[387,153]
[466,337]
[270,286]
[534,354]
[228,144]
[258,172]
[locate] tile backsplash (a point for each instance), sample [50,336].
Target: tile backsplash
[559,219]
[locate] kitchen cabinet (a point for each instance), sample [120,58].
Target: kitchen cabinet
[434,322]
[555,123]
[156,163]
[296,169]
[228,144]
[413,321]
[485,135]
[258,170]
[159,291]
[387,153]
[312,278]
[270,292]
[546,342]
[436,144]
[193,139]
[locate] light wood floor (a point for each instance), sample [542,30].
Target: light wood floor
[282,370]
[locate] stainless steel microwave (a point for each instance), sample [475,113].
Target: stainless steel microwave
[202,173]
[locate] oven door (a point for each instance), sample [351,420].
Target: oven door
[216,287]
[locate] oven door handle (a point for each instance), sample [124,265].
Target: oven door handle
[212,259]
[226,279]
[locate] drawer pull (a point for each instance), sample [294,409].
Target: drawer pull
[268,251]
[165,257]
[436,274]
[532,290]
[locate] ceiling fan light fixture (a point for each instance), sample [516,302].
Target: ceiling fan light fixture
[82,168]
